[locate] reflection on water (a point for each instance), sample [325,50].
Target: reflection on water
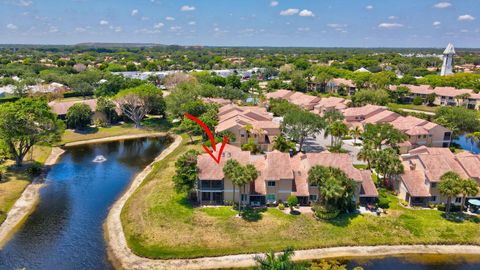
[467,144]
[65,230]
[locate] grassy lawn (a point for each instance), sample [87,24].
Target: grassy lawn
[160,223]
[16,180]
[150,125]
[423,108]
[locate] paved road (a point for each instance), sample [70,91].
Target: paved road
[320,143]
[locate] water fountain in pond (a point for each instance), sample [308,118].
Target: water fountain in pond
[99,159]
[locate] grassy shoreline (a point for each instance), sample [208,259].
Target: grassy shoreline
[161,224]
[17,179]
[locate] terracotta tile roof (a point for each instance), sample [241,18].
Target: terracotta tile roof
[332,102]
[210,170]
[368,188]
[340,81]
[303,100]
[233,116]
[406,123]
[61,108]
[278,166]
[415,183]
[415,131]
[282,94]
[220,101]
[382,117]
[450,91]
[336,160]
[259,163]
[364,111]
[416,89]
[301,177]
[470,163]
[437,165]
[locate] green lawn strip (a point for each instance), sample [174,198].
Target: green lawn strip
[160,224]
[423,108]
[150,125]
[17,179]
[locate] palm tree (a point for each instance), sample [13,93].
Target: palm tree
[468,187]
[249,174]
[248,129]
[330,191]
[337,130]
[232,171]
[283,261]
[367,153]
[449,187]
[355,132]
[462,97]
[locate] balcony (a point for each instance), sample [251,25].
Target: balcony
[211,185]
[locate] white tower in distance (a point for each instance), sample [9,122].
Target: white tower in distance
[447,67]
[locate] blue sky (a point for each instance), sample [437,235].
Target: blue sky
[318,23]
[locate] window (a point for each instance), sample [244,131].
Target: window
[313,185]
[458,200]
[271,183]
[313,198]
[244,197]
[270,197]
[242,135]
[433,185]
[433,199]
[206,196]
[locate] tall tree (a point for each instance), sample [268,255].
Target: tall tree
[337,130]
[355,132]
[186,172]
[367,153]
[283,261]
[449,187]
[25,123]
[137,102]
[233,171]
[79,116]
[300,124]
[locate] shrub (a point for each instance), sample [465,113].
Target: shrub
[292,202]
[417,101]
[441,207]
[322,212]
[404,203]
[432,205]
[34,170]
[281,206]
[383,202]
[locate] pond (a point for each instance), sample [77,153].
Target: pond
[65,230]
[415,262]
[467,144]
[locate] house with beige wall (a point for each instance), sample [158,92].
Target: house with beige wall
[279,176]
[248,122]
[424,166]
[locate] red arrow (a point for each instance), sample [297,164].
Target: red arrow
[212,139]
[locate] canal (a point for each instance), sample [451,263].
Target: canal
[65,230]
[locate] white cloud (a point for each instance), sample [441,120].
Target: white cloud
[104,22]
[145,18]
[369,7]
[158,25]
[306,13]
[192,23]
[464,31]
[134,12]
[390,25]
[175,28]
[118,29]
[187,8]
[53,29]
[303,29]
[23,3]
[289,12]
[274,3]
[436,23]
[337,26]
[442,5]
[12,26]
[392,17]
[170,18]
[80,29]
[466,17]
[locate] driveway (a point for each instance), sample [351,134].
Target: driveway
[319,143]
